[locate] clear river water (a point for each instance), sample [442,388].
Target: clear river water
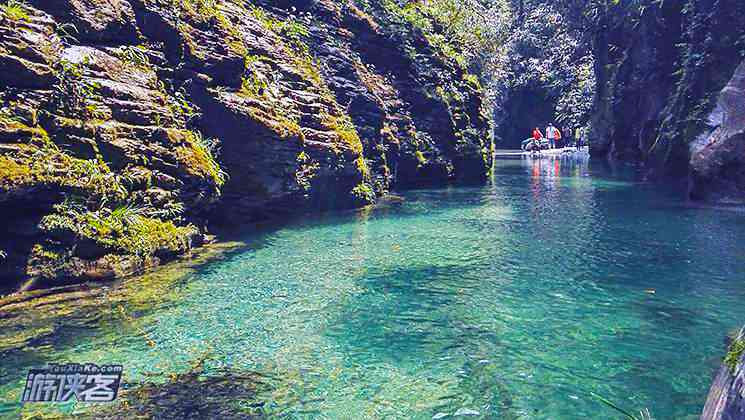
[514,300]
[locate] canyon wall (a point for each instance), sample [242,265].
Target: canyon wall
[660,71]
[718,154]
[129,127]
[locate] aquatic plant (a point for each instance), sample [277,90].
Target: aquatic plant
[224,393]
[644,414]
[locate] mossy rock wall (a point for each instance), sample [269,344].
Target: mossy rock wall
[660,71]
[129,127]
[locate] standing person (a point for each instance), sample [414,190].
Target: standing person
[578,138]
[557,137]
[550,135]
[567,133]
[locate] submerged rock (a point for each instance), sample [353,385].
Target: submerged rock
[466,412]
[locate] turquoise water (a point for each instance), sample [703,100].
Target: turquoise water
[514,300]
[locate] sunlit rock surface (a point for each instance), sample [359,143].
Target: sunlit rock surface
[158,119]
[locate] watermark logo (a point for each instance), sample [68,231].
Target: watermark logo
[87,382]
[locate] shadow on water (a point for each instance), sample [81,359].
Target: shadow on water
[408,313]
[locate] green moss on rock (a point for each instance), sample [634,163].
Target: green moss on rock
[195,153]
[734,353]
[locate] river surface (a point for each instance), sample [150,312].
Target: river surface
[515,300]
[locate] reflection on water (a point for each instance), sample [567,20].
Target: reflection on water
[515,300]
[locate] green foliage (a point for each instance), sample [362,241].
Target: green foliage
[134,55]
[269,22]
[254,85]
[128,229]
[198,10]
[306,171]
[75,93]
[45,163]
[707,56]
[462,30]
[420,158]
[364,192]
[198,154]
[294,30]
[15,10]
[181,108]
[66,30]
[472,80]
[270,107]
[575,103]
[345,130]
[13,173]
[362,167]
[263,85]
[735,352]
[545,60]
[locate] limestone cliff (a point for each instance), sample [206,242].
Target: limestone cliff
[127,127]
[718,155]
[659,72]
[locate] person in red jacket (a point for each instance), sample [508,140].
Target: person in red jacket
[537,136]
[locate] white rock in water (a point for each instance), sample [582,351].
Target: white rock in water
[466,412]
[440,416]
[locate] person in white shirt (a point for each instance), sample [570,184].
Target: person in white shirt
[550,135]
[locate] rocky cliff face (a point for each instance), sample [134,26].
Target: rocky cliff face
[129,126]
[726,399]
[659,72]
[718,155]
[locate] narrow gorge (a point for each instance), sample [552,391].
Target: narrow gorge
[320,208]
